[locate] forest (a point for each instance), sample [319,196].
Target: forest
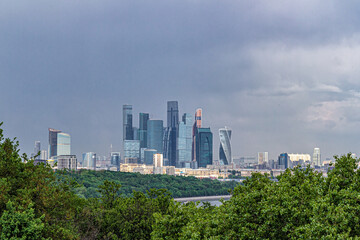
[36,203]
[179,186]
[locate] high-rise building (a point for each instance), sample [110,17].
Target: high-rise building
[53,142]
[155,132]
[89,160]
[204,147]
[115,160]
[149,156]
[59,143]
[317,157]
[263,157]
[67,162]
[197,124]
[158,163]
[132,149]
[37,149]
[184,142]
[283,161]
[170,137]
[128,132]
[225,156]
[43,155]
[136,133]
[143,118]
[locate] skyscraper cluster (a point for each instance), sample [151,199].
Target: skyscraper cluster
[183,142]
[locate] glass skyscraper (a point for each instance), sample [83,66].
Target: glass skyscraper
[317,157]
[115,160]
[132,149]
[283,161]
[155,132]
[59,143]
[204,147]
[37,149]
[53,142]
[225,156]
[184,143]
[89,160]
[197,124]
[170,137]
[143,118]
[128,132]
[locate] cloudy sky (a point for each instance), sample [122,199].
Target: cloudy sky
[284,75]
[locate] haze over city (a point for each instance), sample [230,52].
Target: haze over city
[282,75]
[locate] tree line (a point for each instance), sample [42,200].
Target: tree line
[179,186]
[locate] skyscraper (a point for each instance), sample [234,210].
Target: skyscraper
[263,157]
[170,137]
[128,132]
[184,142]
[197,124]
[132,149]
[143,118]
[317,157]
[53,142]
[59,143]
[37,149]
[225,156]
[204,147]
[155,132]
[115,160]
[89,160]
[283,161]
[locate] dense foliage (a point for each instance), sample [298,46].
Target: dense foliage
[178,186]
[36,203]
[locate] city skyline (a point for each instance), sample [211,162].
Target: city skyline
[282,75]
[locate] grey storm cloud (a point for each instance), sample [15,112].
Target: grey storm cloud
[282,74]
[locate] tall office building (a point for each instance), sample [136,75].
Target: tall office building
[263,157]
[317,157]
[37,149]
[197,124]
[89,160]
[132,149]
[204,147]
[115,160]
[155,132]
[184,142]
[43,155]
[59,143]
[158,163]
[143,118]
[149,156]
[283,161]
[225,156]
[53,142]
[170,137]
[128,132]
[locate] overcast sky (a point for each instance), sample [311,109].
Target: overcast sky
[283,75]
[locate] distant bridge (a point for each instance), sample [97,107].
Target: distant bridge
[204,198]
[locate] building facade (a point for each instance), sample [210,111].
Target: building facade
[225,156]
[155,132]
[170,137]
[317,157]
[184,142]
[89,160]
[128,132]
[143,118]
[115,160]
[263,157]
[204,147]
[67,162]
[197,124]
[132,149]
[53,142]
[283,161]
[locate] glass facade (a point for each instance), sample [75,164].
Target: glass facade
[283,161]
[155,132]
[225,156]
[184,143]
[128,133]
[89,160]
[53,142]
[132,149]
[148,156]
[204,147]
[63,144]
[143,118]
[170,137]
[115,160]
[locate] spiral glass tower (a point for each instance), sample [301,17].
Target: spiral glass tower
[225,146]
